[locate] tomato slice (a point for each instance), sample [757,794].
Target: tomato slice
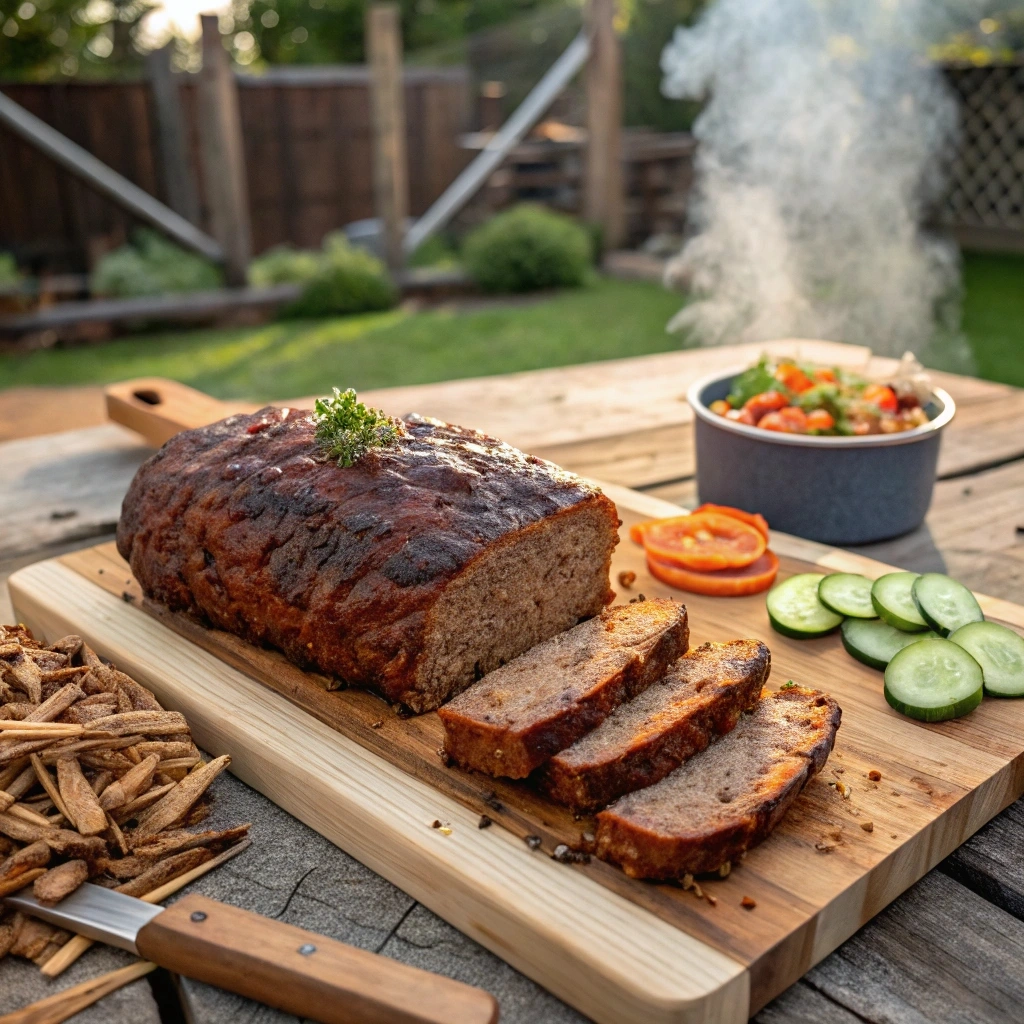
[751,579]
[755,519]
[705,541]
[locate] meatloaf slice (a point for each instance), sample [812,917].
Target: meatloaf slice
[700,697]
[729,797]
[413,572]
[516,717]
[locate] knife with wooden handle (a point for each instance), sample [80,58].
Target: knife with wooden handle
[286,967]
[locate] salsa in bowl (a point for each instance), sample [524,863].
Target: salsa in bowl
[840,484]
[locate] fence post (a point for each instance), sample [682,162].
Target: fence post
[603,194]
[223,155]
[170,129]
[387,109]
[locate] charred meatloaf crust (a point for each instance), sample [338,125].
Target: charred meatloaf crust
[700,697]
[729,797]
[414,572]
[516,717]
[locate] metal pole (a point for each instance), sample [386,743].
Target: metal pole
[108,182]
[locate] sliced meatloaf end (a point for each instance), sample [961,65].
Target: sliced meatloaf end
[700,697]
[516,717]
[727,798]
[413,572]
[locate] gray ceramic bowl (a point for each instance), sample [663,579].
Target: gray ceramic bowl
[838,490]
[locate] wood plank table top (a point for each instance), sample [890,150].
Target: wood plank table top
[949,949]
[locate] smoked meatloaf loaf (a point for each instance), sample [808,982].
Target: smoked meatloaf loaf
[413,572]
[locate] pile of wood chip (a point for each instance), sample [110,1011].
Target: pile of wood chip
[97,782]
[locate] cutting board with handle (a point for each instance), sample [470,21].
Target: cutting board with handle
[618,949]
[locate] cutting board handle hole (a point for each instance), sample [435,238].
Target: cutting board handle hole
[148,395]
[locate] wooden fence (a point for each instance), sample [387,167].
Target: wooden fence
[307,148]
[309,163]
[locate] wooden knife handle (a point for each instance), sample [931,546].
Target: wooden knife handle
[301,972]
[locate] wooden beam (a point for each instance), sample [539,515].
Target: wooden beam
[223,155]
[603,194]
[172,143]
[387,107]
[104,179]
[526,115]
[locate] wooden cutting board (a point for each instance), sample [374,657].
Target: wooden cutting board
[618,949]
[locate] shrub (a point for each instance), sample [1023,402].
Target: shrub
[152,265]
[526,248]
[347,280]
[284,265]
[437,252]
[9,275]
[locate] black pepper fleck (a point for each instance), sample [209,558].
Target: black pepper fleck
[484,822]
[533,842]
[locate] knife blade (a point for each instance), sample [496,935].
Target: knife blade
[294,970]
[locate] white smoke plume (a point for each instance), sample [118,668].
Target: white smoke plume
[822,143]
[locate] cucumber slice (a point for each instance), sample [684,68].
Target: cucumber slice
[876,643]
[945,604]
[933,680]
[794,609]
[847,593]
[892,596]
[1000,653]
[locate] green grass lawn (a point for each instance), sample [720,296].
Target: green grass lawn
[607,320]
[993,318]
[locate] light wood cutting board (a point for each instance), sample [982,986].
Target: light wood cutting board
[618,949]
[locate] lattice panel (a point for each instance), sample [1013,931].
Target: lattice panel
[987,174]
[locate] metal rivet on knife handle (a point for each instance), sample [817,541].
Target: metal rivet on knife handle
[198,915]
[307,949]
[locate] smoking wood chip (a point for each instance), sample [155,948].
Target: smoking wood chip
[36,855]
[69,645]
[79,798]
[9,774]
[20,830]
[57,703]
[179,840]
[140,803]
[19,751]
[70,844]
[57,675]
[46,781]
[164,870]
[180,799]
[24,674]
[123,868]
[8,933]
[32,938]
[28,814]
[143,723]
[167,750]
[58,882]
[135,781]
[110,760]
[100,781]
[12,885]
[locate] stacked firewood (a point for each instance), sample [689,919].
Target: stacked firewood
[97,783]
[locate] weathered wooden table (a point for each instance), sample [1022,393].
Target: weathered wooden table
[951,949]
